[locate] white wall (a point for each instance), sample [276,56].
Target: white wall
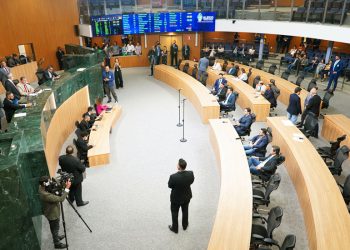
[311,30]
[85,30]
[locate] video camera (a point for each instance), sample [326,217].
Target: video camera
[56,185]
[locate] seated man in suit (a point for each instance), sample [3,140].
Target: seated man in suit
[230,101]
[221,95]
[265,165]
[83,146]
[50,75]
[91,112]
[85,125]
[4,71]
[269,95]
[232,69]
[258,143]
[12,87]
[195,71]
[244,122]
[23,87]
[217,83]
[10,106]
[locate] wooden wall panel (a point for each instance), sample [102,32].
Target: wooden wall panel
[45,23]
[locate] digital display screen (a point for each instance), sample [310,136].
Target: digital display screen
[168,22]
[106,25]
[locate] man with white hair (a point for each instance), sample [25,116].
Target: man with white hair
[11,87]
[312,106]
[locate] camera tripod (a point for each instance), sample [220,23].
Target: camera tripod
[64,222]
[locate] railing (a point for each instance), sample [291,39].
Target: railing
[317,11]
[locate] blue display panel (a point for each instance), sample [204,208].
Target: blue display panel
[168,22]
[106,25]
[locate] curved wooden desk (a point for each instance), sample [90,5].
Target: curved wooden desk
[335,126]
[247,97]
[205,103]
[99,154]
[233,222]
[326,217]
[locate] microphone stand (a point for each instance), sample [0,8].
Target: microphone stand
[183,122]
[179,123]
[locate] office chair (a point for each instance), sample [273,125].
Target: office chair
[249,130]
[230,109]
[263,235]
[310,126]
[265,178]
[288,243]
[262,197]
[285,75]
[272,69]
[341,155]
[261,152]
[312,84]
[299,80]
[260,64]
[325,100]
[256,80]
[346,190]
[330,152]
[40,75]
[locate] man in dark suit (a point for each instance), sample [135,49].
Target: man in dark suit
[230,101]
[217,83]
[3,121]
[269,95]
[244,122]
[13,61]
[11,87]
[186,52]
[265,165]
[334,73]
[258,143]
[10,106]
[83,146]
[181,194]
[71,164]
[4,71]
[85,125]
[158,53]
[173,53]
[221,95]
[313,106]
[59,56]
[294,107]
[90,112]
[50,75]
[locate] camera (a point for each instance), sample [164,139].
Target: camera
[56,185]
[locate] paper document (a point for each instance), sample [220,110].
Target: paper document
[287,123]
[20,115]
[81,69]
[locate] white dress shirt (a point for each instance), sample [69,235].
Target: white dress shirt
[217,66]
[243,77]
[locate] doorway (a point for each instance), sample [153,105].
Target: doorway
[167,40]
[27,50]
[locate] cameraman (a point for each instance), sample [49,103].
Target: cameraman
[51,209]
[72,164]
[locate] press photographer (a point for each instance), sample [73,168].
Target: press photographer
[51,193]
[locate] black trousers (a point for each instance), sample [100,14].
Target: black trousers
[75,193]
[173,57]
[174,207]
[152,69]
[108,90]
[54,228]
[186,57]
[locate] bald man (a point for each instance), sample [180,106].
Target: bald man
[312,105]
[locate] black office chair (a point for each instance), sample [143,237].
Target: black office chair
[299,80]
[249,130]
[346,190]
[310,126]
[40,75]
[285,75]
[325,100]
[262,197]
[342,155]
[230,109]
[312,84]
[256,80]
[265,177]
[272,69]
[288,243]
[261,234]
[185,68]
[260,64]
[330,152]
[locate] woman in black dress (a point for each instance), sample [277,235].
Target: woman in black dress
[118,74]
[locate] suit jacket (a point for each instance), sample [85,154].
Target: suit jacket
[83,146]
[314,105]
[158,51]
[10,109]
[185,50]
[51,203]
[92,118]
[222,93]
[174,49]
[262,143]
[10,86]
[338,68]
[217,83]
[270,167]
[270,97]
[294,107]
[180,184]
[203,64]
[3,75]
[245,122]
[232,71]
[85,126]
[231,101]
[71,164]
[47,76]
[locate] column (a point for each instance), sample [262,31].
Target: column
[261,47]
[329,51]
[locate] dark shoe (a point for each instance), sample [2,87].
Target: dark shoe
[171,229]
[61,237]
[185,227]
[150,75]
[60,246]
[109,101]
[325,89]
[83,203]
[331,92]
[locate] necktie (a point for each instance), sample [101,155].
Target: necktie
[7,70]
[25,88]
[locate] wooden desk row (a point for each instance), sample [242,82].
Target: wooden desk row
[99,154]
[325,214]
[205,103]
[335,126]
[233,221]
[247,97]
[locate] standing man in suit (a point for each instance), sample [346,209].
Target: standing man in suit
[334,73]
[11,87]
[50,75]
[203,64]
[221,94]
[158,53]
[152,58]
[173,53]
[108,84]
[71,164]
[181,194]
[294,107]
[265,165]
[59,56]
[83,147]
[313,106]
[118,74]
[4,72]
[230,101]
[186,52]
[217,83]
